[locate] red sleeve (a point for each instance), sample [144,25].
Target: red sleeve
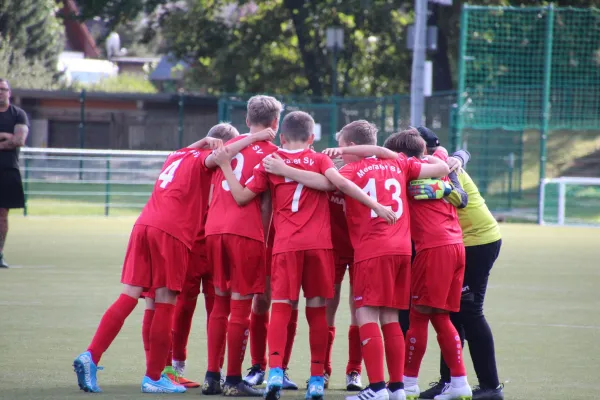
[441,153]
[325,163]
[202,158]
[269,148]
[259,181]
[410,166]
[347,171]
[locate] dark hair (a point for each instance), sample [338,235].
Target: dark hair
[223,131]
[297,126]
[359,132]
[2,80]
[408,142]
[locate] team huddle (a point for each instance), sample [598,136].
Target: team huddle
[253,224]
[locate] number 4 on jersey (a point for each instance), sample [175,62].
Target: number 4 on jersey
[168,174]
[371,189]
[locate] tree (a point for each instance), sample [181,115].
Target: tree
[31,26]
[23,72]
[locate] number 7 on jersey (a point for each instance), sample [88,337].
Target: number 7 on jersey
[297,194]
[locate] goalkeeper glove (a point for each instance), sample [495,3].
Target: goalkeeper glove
[429,189]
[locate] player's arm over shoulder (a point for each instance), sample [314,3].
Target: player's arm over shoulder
[435,168]
[273,164]
[242,195]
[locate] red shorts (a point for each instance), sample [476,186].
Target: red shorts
[269,260]
[382,282]
[437,277]
[341,264]
[311,270]
[238,263]
[199,273]
[154,259]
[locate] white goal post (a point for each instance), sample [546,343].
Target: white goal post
[562,183]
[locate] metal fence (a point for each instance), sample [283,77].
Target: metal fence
[88,182]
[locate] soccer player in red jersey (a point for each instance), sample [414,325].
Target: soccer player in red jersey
[437,277]
[236,250]
[199,273]
[302,251]
[381,251]
[156,260]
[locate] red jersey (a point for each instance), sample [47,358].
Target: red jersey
[177,200]
[300,214]
[204,193]
[384,181]
[434,223]
[224,214]
[340,236]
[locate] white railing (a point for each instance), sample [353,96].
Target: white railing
[81,181]
[584,200]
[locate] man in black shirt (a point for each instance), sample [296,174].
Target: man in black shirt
[14,127]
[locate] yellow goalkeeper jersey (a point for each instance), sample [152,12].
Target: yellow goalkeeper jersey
[477,222]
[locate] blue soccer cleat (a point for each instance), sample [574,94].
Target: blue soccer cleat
[274,384]
[163,385]
[86,369]
[316,388]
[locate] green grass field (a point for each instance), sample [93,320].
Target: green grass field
[542,304]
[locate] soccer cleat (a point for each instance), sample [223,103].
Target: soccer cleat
[274,384]
[288,384]
[316,388]
[412,392]
[369,394]
[255,376]
[179,367]
[211,386]
[3,263]
[325,379]
[435,389]
[455,393]
[172,374]
[353,382]
[222,379]
[399,394]
[480,393]
[163,385]
[241,389]
[86,369]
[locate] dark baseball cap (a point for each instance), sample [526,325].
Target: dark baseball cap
[431,138]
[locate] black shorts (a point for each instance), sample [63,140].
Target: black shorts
[11,189]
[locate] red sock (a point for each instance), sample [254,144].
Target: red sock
[258,339]
[416,343]
[277,336]
[110,325]
[217,332]
[372,350]
[237,338]
[354,351]
[146,324]
[182,325]
[450,345]
[160,339]
[209,303]
[330,339]
[317,337]
[291,335]
[393,340]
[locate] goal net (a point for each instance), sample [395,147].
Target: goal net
[571,201]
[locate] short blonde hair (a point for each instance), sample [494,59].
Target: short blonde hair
[223,131]
[263,110]
[359,132]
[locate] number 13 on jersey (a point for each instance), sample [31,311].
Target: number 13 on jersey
[391,185]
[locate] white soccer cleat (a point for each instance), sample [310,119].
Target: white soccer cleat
[450,392]
[368,394]
[412,392]
[353,382]
[399,394]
